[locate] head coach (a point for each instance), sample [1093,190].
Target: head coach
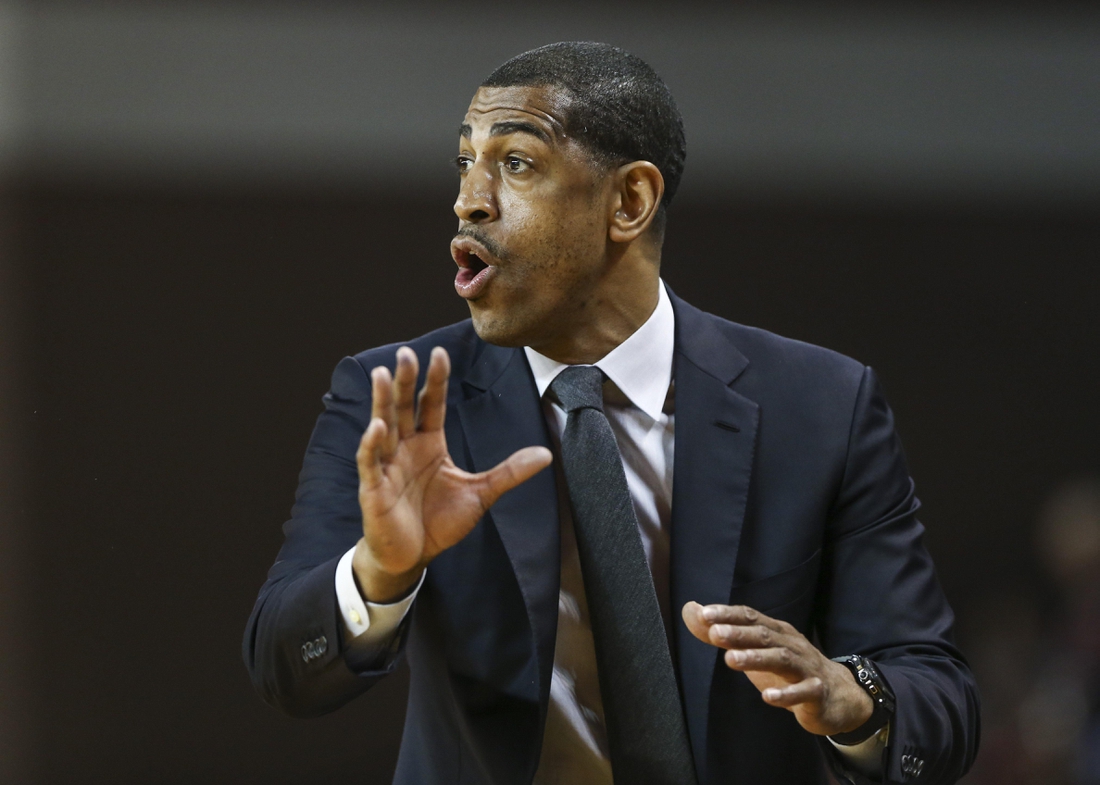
[618,539]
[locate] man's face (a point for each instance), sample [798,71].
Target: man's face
[533,210]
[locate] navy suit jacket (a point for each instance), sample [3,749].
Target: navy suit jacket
[790,494]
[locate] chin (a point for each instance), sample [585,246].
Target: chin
[497,330]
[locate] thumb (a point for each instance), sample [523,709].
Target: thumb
[693,618]
[517,468]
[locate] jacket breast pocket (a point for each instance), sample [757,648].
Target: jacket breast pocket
[787,595]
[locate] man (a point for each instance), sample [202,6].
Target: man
[727,510]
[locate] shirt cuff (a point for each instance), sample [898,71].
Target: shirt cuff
[866,757]
[368,622]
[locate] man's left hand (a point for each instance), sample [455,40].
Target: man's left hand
[788,670]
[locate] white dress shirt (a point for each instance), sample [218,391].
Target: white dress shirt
[639,405]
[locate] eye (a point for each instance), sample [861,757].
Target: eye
[516,165]
[463,163]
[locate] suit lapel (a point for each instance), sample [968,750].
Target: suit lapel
[715,445]
[501,415]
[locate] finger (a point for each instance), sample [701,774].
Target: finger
[382,406]
[404,391]
[737,636]
[778,660]
[811,690]
[369,455]
[741,614]
[506,475]
[433,398]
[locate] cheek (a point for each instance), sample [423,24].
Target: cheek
[556,242]
[558,233]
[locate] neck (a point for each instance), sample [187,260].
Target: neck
[622,304]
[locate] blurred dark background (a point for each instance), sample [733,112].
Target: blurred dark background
[204,206]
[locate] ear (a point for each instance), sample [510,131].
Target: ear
[639,188]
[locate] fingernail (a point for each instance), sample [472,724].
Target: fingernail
[738,657]
[771,694]
[710,614]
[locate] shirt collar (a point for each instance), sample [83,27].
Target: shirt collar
[641,366]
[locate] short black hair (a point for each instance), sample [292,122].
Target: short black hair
[620,109]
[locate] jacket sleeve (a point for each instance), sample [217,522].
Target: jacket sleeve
[882,599]
[294,645]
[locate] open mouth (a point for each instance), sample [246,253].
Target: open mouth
[475,267]
[470,266]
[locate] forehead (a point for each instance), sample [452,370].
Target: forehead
[544,106]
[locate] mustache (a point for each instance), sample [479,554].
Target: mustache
[490,245]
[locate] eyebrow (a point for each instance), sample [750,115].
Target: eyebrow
[508,127]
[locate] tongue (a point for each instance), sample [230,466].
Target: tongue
[474,265]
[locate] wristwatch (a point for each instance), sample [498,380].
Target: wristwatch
[867,677]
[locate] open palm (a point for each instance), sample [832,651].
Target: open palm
[416,503]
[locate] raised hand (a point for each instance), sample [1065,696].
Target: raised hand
[416,503]
[789,671]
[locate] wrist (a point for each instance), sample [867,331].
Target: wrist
[377,584]
[864,677]
[860,705]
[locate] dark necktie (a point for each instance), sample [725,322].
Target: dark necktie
[646,735]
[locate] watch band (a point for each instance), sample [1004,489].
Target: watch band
[867,677]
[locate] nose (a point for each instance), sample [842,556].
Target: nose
[476,201]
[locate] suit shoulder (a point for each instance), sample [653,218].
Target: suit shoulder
[351,379]
[781,368]
[773,352]
[808,392]
[459,339]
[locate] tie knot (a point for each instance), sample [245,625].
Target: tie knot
[579,387]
